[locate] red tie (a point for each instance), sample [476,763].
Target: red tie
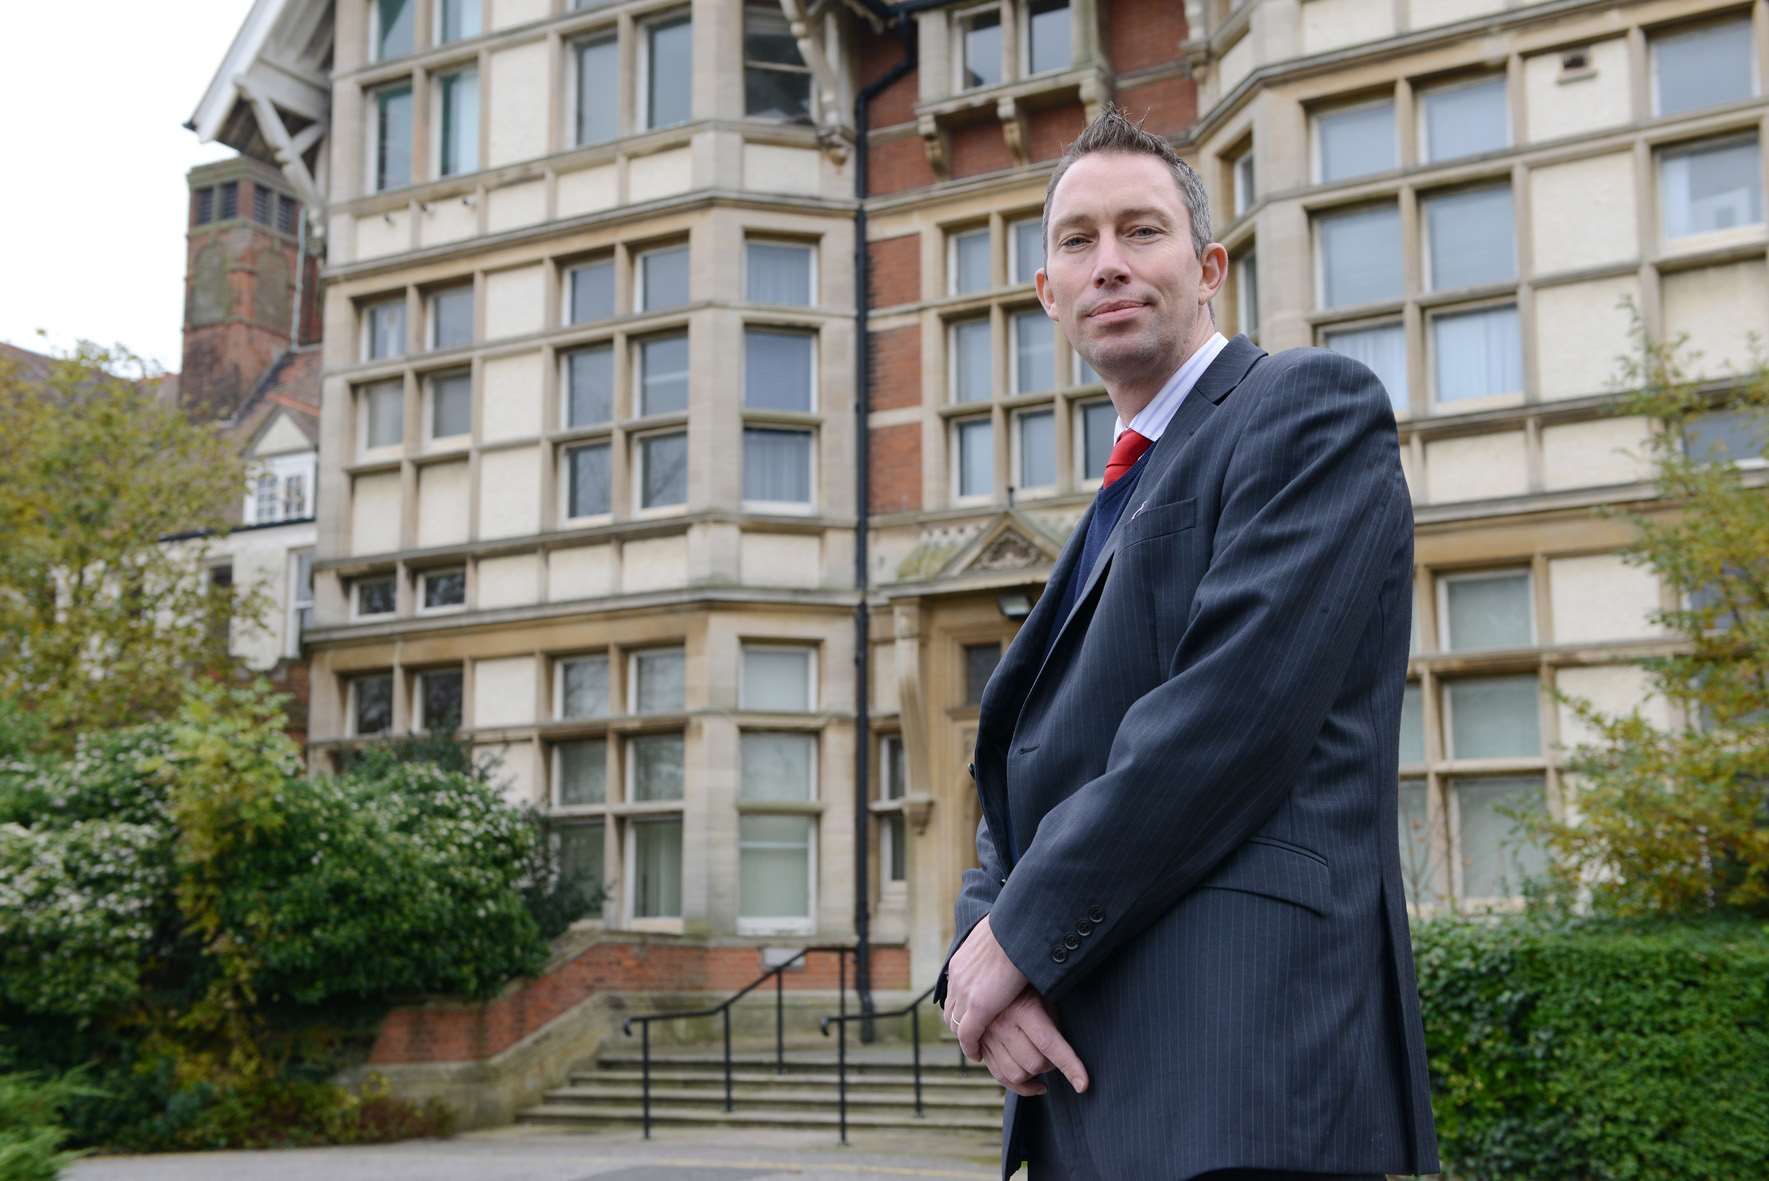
[1125,452]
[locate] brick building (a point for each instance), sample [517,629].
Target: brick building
[592,359]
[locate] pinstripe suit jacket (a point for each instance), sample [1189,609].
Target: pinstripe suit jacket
[1202,775]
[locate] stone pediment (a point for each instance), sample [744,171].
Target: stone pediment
[1010,542]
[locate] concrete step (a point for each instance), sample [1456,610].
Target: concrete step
[777,1098]
[629,1113]
[975,1079]
[942,1063]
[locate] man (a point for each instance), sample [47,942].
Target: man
[1185,950]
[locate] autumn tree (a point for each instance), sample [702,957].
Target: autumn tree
[1672,817]
[111,503]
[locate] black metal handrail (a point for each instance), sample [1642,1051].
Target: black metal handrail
[840,1020]
[842,951]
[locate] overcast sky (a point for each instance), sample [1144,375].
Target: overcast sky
[96,95]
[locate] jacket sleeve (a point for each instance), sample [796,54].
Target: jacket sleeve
[976,894]
[1314,509]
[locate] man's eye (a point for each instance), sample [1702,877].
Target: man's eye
[1144,230]
[1072,240]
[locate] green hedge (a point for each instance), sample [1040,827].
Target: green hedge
[1593,1051]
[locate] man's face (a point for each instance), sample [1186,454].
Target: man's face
[1120,274]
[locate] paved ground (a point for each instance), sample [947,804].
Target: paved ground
[519,1155]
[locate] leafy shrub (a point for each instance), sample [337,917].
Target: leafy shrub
[1597,1051]
[30,1134]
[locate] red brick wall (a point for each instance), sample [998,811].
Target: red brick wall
[467,1033]
[896,468]
[898,164]
[1143,33]
[878,56]
[894,270]
[978,148]
[1170,103]
[896,367]
[1051,130]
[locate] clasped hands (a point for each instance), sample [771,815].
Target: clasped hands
[1001,1020]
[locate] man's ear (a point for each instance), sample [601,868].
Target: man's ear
[1215,271]
[1041,281]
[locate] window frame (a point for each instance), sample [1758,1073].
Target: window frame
[421,724]
[629,878]
[641,296]
[423,581]
[352,705]
[1014,317]
[812,104]
[439,119]
[373,141]
[1421,103]
[1014,260]
[1442,581]
[960,26]
[1016,458]
[355,594]
[784,925]
[432,323]
[367,450]
[604,440]
[631,657]
[1024,53]
[299,599]
[1317,163]
[957,425]
[808,649]
[1697,145]
[645,30]
[366,315]
[810,250]
[559,669]
[1078,440]
[1492,398]
[953,237]
[953,328]
[432,407]
[637,463]
[604,34]
[1656,37]
[786,507]
[439,21]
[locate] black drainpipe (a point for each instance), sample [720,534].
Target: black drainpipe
[862,502]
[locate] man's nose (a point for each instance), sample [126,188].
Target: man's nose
[1108,264]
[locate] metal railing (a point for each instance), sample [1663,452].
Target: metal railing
[723,1008]
[840,1020]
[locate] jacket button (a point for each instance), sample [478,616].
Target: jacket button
[1084,927]
[1095,914]
[1071,941]
[1058,955]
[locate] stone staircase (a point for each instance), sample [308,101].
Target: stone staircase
[688,1089]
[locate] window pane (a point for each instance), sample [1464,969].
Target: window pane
[460,19]
[592,291]
[441,700]
[589,378]
[663,460]
[1027,238]
[971,362]
[775,870]
[658,677]
[1246,188]
[777,466]
[664,276]
[394,22]
[460,122]
[1049,49]
[1034,342]
[1471,238]
[1726,435]
[598,91]
[386,329]
[263,498]
[1382,348]
[657,869]
[1084,373]
[1495,717]
[1412,727]
[374,596]
[896,846]
[976,457]
[657,766]
[776,83]
[1360,256]
[1702,67]
[1247,293]
[581,856]
[374,704]
[979,662]
[970,262]
[1485,613]
[451,318]
[1416,856]
[777,767]
[669,73]
[776,369]
[1477,353]
[1496,859]
[777,679]
[592,481]
[1713,187]
[663,374]
[386,413]
[451,405]
[777,273]
[777,94]
[1098,424]
[1465,120]
[445,588]
[982,50]
[583,772]
[892,770]
[1356,142]
[1037,449]
[393,137]
[583,687]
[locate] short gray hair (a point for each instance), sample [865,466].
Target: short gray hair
[1113,131]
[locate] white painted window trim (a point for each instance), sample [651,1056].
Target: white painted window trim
[424,577]
[1492,575]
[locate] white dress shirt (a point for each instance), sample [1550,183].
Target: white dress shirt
[1152,419]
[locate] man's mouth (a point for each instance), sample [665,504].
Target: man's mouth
[1117,309]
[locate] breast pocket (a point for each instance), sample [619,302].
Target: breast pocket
[1149,521]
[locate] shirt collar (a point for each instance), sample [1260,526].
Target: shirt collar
[1151,421]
